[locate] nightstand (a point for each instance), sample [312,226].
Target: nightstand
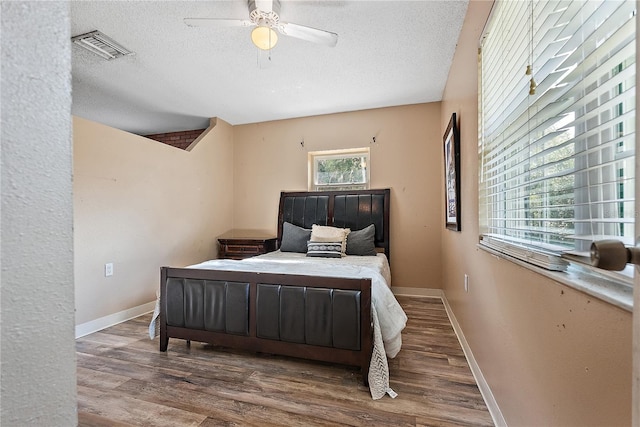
[240,244]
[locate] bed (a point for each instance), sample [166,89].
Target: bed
[334,307]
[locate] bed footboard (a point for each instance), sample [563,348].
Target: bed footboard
[311,317]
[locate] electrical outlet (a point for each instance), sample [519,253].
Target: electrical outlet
[108,269]
[466,283]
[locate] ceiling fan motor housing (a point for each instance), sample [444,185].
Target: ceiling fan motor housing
[264,12]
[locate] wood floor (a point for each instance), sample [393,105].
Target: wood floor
[123,380]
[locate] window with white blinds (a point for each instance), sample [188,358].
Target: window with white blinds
[557,146]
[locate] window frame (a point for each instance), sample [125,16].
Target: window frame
[314,157]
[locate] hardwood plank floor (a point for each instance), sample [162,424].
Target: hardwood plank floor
[124,380]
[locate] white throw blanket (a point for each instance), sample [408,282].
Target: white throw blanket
[388,317]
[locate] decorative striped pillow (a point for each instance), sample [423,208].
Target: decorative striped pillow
[324,233]
[324,249]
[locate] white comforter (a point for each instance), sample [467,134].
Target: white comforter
[389,318]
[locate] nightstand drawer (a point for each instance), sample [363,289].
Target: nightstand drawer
[240,244]
[244,249]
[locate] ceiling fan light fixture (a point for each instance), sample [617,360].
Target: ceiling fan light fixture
[264,37]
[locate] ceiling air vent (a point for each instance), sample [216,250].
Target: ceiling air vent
[101,45]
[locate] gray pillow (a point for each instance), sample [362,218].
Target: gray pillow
[294,238]
[362,242]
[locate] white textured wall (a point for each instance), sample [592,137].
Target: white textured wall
[37,355]
[636,291]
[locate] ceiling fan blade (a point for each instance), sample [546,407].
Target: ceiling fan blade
[309,34]
[217,23]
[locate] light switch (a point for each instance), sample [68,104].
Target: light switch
[108,269]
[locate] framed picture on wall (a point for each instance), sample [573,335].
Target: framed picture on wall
[451,141]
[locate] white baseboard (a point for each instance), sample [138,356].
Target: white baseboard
[417,292]
[489,399]
[113,319]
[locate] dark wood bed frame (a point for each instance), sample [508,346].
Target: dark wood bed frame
[194,302]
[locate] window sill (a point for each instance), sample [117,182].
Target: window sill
[582,279]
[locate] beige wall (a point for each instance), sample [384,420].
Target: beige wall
[142,204]
[551,355]
[406,157]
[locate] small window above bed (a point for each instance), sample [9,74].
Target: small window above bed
[339,169]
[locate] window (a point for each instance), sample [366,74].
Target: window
[557,164]
[339,169]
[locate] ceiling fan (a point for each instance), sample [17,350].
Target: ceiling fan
[264,15]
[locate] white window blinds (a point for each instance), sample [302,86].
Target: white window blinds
[557,165]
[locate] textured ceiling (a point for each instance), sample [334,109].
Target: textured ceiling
[388,53]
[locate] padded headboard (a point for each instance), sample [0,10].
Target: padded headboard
[354,209]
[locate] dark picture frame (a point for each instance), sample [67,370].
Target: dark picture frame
[451,143]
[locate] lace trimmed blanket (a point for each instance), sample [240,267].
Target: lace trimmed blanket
[388,317]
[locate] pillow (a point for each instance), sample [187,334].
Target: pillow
[294,238]
[362,242]
[324,249]
[323,233]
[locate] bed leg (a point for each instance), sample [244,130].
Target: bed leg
[164,343]
[188,343]
[365,374]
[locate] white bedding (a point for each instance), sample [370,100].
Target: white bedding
[379,262]
[389,318]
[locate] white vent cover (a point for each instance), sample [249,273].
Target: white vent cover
[101,45]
